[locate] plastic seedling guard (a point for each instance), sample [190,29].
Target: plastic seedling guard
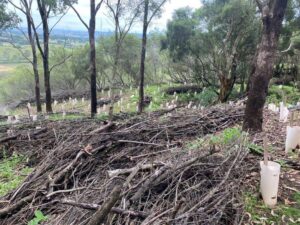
[269,182]
[292,138]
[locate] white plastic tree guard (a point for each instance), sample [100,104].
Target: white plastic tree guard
[269,182]
[284,113]
[292,138]
[272,107]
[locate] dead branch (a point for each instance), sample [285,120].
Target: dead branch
[102,213]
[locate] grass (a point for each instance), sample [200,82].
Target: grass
[283,93]
[261,214]
[224,138]
[12,173]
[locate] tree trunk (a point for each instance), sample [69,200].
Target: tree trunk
[45,56]
[227,84]
[115,67]
[34,61]
[143,56]
[92,67]
[272,17]
[225,89]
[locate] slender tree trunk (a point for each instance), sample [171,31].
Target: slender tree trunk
[115,67]
[143,56]
[34,61]
[272,17]
[92,67]
[44,17]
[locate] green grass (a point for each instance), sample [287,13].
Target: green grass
[226,136]
[288,94]
[262,214]
[12,173]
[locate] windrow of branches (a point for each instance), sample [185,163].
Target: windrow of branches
[136,171]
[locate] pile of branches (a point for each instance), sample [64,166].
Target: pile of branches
[137,171]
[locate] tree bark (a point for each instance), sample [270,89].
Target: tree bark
[143,56]
[272,17]
[92,68]
[44,16]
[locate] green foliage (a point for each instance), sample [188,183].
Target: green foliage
[8,19]
[39,217]
[10,55]
[12,173]
[288,94]
[184,24]
[207,97]
[256,149]
[11,88]
[58,117]
[195,144]
[227,136]
[209,37]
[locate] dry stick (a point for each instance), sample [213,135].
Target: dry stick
[149,154]
[140,142]
[160,175]
[102,213]
[3,140]
[28,111]
[62,173]
[91,206]
[11,208]
[265,143]
[214,190]
[117,172]
[150,220]
[65,191]
[101,129]
[17,191]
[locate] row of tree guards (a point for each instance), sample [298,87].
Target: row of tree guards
[270,171]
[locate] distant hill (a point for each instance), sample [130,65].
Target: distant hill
[57,35]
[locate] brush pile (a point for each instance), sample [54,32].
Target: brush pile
[133,171]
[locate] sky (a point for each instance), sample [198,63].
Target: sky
[70,20]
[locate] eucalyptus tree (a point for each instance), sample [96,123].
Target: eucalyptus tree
[215,41]
[91,27]
[124,13]
[25,7]
[151,8]
[47,9]
[272,15]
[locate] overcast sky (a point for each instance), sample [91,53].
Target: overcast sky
[70,21]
